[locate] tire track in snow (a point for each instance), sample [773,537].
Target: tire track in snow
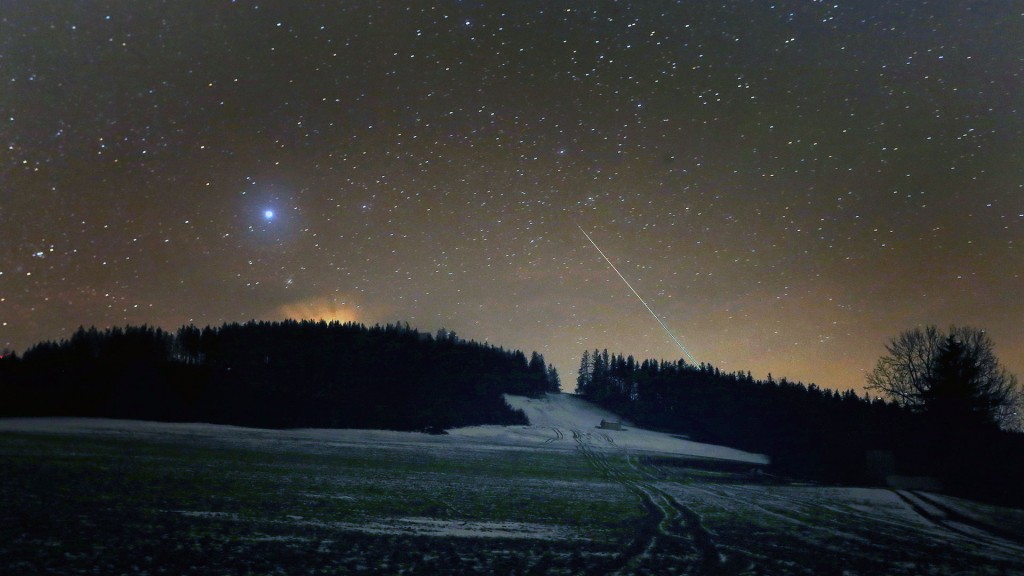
[645,538]
[955,516]
[668,527]
[688,522]
[944,517]
[558,436]
[933,519]
[723,498]
[710,558]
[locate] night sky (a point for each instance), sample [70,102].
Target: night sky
[787,185]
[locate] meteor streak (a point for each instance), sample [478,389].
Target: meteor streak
[667,331]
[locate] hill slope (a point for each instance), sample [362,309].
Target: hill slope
[555,417]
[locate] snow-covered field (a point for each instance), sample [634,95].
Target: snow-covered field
[551,419]
[560,496]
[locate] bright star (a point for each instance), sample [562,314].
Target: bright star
[268,214]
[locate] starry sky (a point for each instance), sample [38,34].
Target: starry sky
[786,184]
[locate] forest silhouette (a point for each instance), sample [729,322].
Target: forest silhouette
[274,375]
[807,431]
[309,374]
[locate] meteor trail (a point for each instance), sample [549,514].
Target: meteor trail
[667,331]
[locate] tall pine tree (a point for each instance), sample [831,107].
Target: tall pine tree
[583,378]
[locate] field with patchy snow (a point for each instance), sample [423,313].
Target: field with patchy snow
[557,497]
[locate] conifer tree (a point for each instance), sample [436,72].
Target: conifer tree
[554,382]
[583,378]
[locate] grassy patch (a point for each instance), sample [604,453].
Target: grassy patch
[134,505]
[232,501]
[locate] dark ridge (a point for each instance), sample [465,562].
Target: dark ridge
[808,432]
[274,375]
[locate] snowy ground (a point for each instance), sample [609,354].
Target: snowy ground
[554,417]
[560,496]
[551,418]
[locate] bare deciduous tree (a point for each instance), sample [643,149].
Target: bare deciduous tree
[908,374]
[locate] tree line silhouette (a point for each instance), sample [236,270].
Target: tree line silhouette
[274,375]
[319,374]
[807,431]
